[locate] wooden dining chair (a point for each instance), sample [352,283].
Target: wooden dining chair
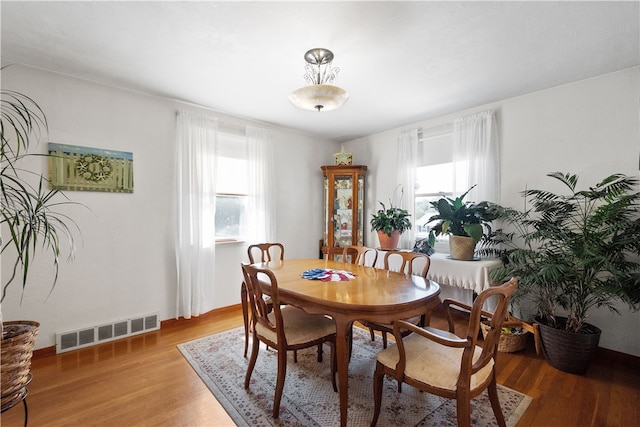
[442,363]
[284,328]
[259,252]
[408,263]
[362,255]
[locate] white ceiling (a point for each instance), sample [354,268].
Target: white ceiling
[401,62]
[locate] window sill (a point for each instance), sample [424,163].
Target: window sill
[228,241]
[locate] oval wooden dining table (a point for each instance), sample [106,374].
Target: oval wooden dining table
[374,294]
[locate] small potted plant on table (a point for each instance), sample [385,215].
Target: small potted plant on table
[465,223]
[390,223]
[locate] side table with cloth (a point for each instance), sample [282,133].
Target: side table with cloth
[458,279]
[461,279]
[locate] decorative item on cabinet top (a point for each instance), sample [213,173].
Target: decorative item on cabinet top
[342,158]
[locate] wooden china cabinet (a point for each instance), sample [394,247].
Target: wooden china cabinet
[343,208]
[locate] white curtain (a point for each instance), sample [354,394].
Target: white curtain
[196,147]
[404,195]
[475,148]
[261,211]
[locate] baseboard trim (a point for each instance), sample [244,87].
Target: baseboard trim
[169,323]
[216,311]
[619,357]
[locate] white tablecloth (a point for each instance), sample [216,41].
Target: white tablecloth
[473,275]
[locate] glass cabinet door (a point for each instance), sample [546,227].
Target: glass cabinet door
[343,211]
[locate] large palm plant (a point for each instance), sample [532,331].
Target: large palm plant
[576,251]
[27,204]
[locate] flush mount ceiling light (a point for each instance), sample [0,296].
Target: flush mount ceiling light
[318,94]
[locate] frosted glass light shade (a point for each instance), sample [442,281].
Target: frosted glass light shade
[318,97]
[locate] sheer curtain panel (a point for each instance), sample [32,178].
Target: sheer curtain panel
[406,178]
[475,147]
[196,147]
[261,212]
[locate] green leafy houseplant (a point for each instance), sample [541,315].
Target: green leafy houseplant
[390,219]
[460,218]
[575,251]
[27,205]
[390,223]
[466,222]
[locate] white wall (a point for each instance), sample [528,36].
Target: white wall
[590,127]
[125,264]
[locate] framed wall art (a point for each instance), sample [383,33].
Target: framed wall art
[73,167]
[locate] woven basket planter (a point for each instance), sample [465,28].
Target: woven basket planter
[18,340]
[510,342]
[461,247]
[516,338]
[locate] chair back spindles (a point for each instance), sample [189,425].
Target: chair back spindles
[263,295]
[362,255]
[407,262]
[265,252]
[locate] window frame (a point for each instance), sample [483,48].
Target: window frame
[230,138]
[438,133]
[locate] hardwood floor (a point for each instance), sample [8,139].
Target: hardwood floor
[144,381]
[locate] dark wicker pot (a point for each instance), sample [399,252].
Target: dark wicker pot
[568,351]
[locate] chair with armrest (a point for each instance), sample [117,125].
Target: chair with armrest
[259,252]
[362,255]
[442,363]
[284,328]
[408,263]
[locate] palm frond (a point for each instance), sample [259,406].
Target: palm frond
[577,250]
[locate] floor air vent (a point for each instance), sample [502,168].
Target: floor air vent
[85,337]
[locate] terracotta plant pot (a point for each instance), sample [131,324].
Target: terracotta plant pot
[461,247]
[389,243]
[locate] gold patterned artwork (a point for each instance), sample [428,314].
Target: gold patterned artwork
[72,167]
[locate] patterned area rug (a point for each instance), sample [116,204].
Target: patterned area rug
[309,399]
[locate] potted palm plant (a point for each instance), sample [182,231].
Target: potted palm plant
[465,222]
[573,252]
[31,222]
[390,223]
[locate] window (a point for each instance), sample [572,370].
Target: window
[231,187]
[435,175]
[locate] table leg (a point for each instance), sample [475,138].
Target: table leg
[343,331]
